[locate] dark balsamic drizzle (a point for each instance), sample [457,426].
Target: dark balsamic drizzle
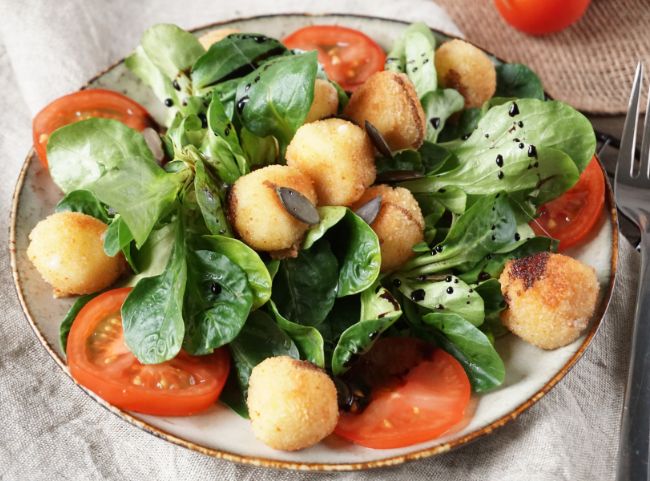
[514,109]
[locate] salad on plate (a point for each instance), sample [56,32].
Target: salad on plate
[324,237]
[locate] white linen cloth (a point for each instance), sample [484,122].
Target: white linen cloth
[50,431]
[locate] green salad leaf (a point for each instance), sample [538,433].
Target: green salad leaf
[445,294]
[234,56]
[218,301]
[152,313]
[171,49]
[80,153]
[114,163]
[210,199]
[71,315]
[85,202]
[359,254]
[518,81]
[142,66]
[438,106]
[154,189]
[517,148]
[118,238]
[329,217]
[260,338]
[307,338]
[483,229]
[275,98]
[471,347]
[305,287]
[379,311]
[249,261]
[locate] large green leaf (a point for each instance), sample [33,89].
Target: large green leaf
[275,98]
[218,301]
[152,314]
[304,289]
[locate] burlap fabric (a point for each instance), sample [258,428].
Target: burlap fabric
[589,65]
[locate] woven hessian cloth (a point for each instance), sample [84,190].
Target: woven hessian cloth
[589,65]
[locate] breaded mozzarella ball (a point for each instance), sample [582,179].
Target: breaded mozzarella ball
[213,36]
[399,225]
[338,157]
[67,249]
[389,102]
[551,298]
[326,101]
[292,404]
[257,213]
[464,67]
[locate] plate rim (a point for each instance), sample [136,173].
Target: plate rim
[316,466]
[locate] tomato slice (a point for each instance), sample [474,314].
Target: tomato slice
[348,56]
[426,402]
[571,217]
[83,105]
[539,17]
[100,361]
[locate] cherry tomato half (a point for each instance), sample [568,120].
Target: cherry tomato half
[426,402]
[348,56]
[83,105]
[572,216]
[539,17]
[99,360]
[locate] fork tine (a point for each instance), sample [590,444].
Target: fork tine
[628,139]
[645,146]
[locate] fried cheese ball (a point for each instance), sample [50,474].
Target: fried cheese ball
[67,249]
[213,36]
[257,213]
[326,101]
[338,157]
[399,225]
[551,298]
[464,67]
[292,404]
[389,102]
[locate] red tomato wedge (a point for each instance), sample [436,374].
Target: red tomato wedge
[538,17]
[100,361]
[571,217]
[348,56]
[423,404]
[83,105]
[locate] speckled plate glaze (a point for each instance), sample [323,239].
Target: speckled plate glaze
[531,372]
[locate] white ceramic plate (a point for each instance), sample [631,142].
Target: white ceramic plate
[531,372]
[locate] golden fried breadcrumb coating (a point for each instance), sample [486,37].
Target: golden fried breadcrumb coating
[551,298]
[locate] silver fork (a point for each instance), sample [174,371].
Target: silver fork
[632,189]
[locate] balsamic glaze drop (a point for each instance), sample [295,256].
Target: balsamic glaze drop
[435,122]
[450,290]
[169,102]
[532,151]
[215,288]
[418,295]
[500,175]
[241,103]
[500,160]
[514,110]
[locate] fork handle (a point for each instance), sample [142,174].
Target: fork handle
[634,441]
